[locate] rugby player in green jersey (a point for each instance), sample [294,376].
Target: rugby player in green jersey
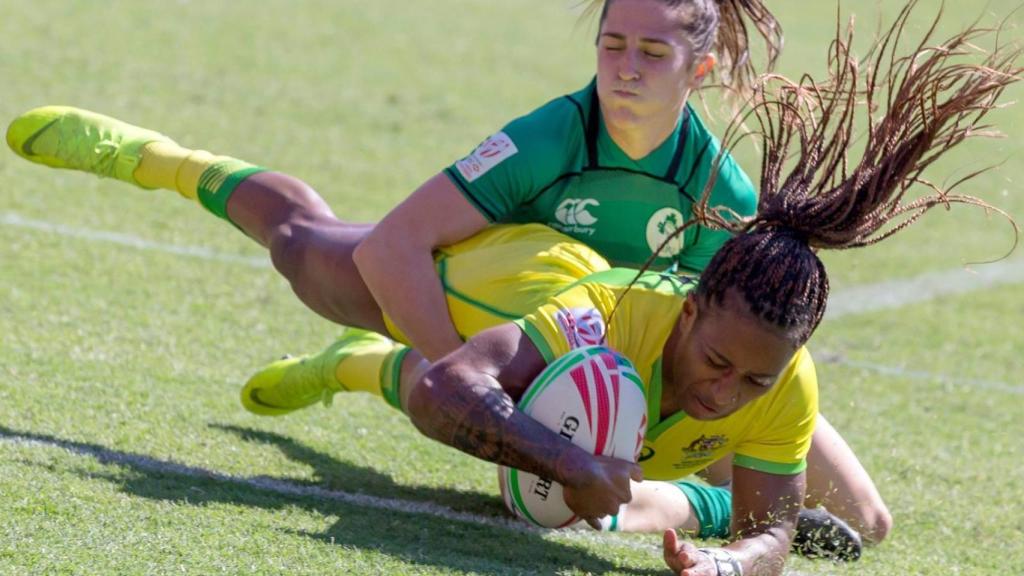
[617,165]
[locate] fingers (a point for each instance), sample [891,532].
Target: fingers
[670,542]
[678,555]
[594,523]
[636,473]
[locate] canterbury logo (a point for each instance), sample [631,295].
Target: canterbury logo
[573,212]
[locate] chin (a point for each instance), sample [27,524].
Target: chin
[694,409]
[622,116]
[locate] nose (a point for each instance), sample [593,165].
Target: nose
[628,69]
[725,389]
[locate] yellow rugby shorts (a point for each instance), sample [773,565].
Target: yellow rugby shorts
[506,271]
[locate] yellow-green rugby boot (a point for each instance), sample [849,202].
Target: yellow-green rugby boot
[291,384]
[76,139]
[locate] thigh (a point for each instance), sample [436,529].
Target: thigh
[315,255]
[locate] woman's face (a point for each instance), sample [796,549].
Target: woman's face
[725,358]
[644,63]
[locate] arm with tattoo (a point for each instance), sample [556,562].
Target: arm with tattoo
[467,401]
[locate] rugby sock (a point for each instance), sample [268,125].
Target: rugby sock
[391,377]
[612,523]
[712,506]
[195,174]
[361,369]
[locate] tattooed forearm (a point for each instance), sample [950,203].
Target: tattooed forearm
[476,419]
[472,413]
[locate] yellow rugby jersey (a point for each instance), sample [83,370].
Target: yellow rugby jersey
[771,434]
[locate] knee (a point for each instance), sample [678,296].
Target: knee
[878,529]
[289,247]
[876,524]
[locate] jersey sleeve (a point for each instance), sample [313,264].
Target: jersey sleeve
[733,189]
[780,443]
[565,322]
[512,166]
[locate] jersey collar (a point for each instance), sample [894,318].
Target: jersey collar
[602,152]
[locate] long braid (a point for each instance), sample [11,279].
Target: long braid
[934,100]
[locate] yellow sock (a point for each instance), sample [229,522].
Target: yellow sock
[375,369]
[360,370]
[169,166]
[195,174]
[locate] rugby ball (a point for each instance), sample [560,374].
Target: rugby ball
[592,396]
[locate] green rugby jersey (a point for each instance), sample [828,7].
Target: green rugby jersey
[558,166]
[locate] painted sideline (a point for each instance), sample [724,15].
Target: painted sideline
[17,221]
[145,463]
[921,375]
[857,300]
[928,286]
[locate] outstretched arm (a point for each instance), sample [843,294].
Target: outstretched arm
[467,400]
[764,513]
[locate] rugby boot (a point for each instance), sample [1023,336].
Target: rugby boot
[76,139]
[294,383]
[821,534]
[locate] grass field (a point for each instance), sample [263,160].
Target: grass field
[129,319]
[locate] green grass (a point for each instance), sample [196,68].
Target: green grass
[119,368]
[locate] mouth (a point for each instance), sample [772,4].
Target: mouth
[624,93]
[707,408]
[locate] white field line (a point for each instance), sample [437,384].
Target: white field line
[145,463]
[857,300]
[149,464]
[17,221]
[928,286]
[922,375]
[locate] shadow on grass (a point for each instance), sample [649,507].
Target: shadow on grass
[333,474]
[467,542]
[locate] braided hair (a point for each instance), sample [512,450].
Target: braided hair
[813,197]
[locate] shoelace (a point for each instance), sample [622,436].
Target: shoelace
[103,156]
[98,159]
[309,383]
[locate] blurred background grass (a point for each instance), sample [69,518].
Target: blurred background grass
[142,353]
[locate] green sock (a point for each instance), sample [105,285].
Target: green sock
[219,180]
[391,377]
[712,506]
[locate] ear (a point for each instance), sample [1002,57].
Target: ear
[703,67]
[688,316]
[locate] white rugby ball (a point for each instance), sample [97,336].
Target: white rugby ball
[592,396]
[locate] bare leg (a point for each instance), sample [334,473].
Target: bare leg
[656,507]
[308,245]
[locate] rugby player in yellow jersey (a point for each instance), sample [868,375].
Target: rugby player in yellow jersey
[617,165]
[732,372]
